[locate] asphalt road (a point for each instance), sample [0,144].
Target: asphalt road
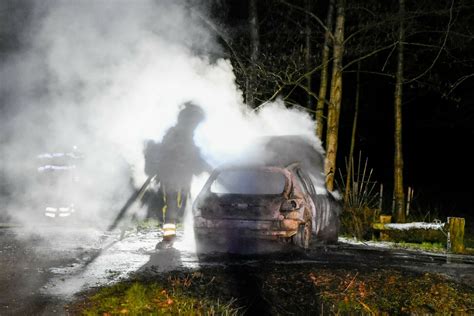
[41,271]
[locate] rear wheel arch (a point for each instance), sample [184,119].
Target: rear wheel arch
[303,236]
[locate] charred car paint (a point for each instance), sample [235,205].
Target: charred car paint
[265,202]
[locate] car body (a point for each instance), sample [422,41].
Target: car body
[258,202]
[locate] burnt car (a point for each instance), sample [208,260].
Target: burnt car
[263,202]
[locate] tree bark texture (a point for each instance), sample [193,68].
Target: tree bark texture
[350,164]
[398,191]
[308,57]
[323,86]
[335,97]
[456,234]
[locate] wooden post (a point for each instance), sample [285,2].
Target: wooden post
[456,234]
[385,219]
[407,208]
[381,197]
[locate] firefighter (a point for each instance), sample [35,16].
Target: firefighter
[177,160]
[153,198]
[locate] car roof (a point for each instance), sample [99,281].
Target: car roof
[258,166]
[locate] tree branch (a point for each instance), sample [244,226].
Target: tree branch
[295,83]
[388,57]
[368,55]
[458,82]
[314,16]
[222,36]
[440,49]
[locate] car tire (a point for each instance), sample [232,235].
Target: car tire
[201,243]
[330,234]
[334,232]
[302,238]
[205,244]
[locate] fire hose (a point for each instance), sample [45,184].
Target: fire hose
[136,196]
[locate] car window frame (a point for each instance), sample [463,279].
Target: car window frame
[213,178]
[301,183]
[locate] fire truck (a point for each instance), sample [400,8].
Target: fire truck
[58,176]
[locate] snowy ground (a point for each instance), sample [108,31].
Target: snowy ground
[115,261]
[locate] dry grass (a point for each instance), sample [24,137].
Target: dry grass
[144,298]
[282,289]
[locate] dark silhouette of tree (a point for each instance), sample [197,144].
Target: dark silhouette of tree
[335,100]
[254,51]
[324,72]
[399,191]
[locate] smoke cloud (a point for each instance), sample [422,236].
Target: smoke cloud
[106,76]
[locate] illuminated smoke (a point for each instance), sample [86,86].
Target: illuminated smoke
[106,76]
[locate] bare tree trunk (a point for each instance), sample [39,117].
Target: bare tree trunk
[399,193]
[350,166]
[335,97]
[323,86]
[254,50]
[308,59]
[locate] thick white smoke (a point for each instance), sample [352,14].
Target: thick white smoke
[108,75]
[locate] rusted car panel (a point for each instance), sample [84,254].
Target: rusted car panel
[246,228]
[254,202]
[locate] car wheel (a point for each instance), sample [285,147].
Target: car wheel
[302,238]
[334,233]
[201,243]
[329,234]
[205,244]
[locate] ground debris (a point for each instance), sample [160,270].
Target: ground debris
[287,289]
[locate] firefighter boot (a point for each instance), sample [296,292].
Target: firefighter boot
[169,236]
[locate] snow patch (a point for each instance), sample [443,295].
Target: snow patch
[378,244]
[415,225]
[118,260]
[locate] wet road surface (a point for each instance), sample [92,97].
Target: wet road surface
[42,271]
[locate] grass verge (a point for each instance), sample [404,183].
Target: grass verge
[151,298]
[425,246]
[281,289]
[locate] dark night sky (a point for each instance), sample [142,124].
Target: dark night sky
[437,131]
[436,144]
